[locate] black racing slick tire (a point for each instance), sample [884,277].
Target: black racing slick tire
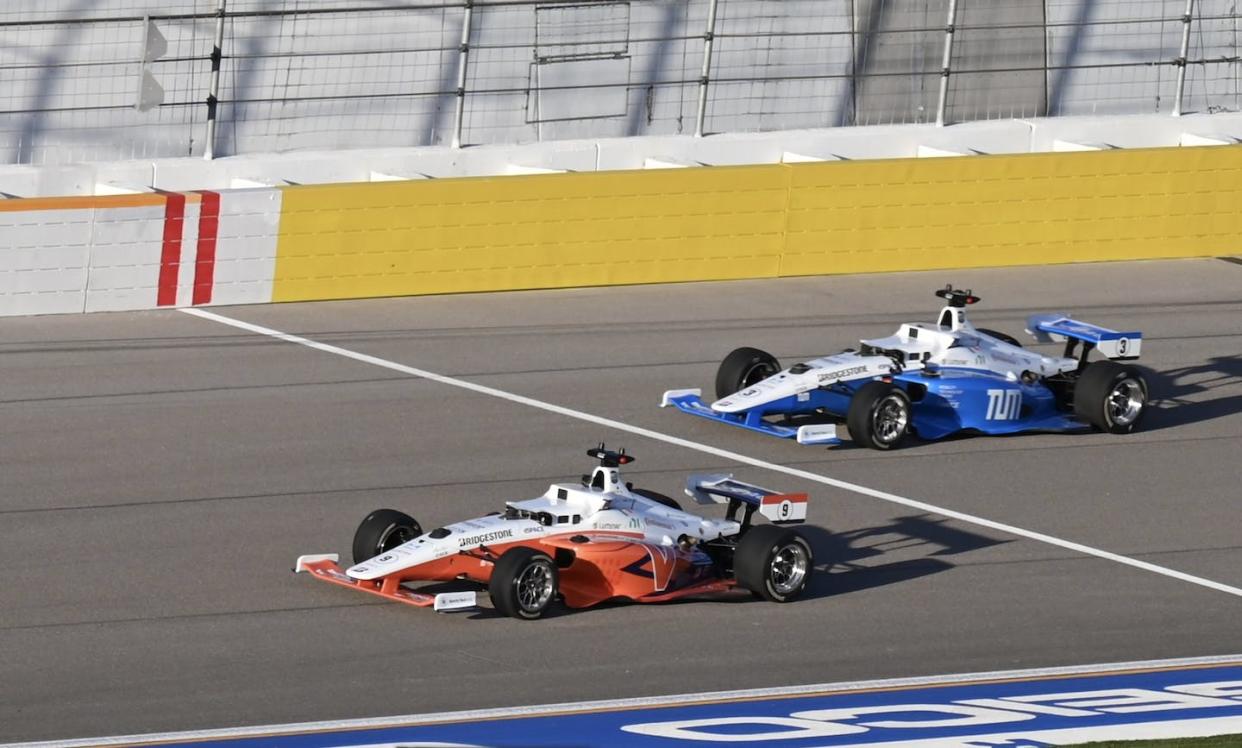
[773,562]
[743,368]
[1002,337]
[1110,397]
[879,415]
[658,498]
[381,531]
[524,583]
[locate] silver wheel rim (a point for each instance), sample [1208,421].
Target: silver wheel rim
[889,419]
[756,374]
[534,586]
[394,536]
[788,569]
[1124,402]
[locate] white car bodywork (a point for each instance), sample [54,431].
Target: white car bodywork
[957,344]
[602,508]
[605,505]
[952,344]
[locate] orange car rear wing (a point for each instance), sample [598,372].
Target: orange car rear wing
[721,488]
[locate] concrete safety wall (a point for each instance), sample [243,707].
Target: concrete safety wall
[144,251]
[301,243]
[550,231]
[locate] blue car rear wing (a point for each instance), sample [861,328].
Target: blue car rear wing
[1048,328]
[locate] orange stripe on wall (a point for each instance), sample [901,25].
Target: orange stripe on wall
[78,202]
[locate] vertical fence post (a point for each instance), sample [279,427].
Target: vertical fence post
[463,59]
[1043,6]
[945,61]
[213,83]
[708,36]
[853,118]
[1181,58]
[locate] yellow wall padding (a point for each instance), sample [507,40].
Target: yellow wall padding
[1029,209]
[539,231]
[715,223]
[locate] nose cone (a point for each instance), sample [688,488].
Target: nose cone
[747,399]
[772,388]
[441,542]
[417,551]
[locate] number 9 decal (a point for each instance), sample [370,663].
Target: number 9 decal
[786,508]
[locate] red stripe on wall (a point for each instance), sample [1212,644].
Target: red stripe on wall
[205,264]
[170,255]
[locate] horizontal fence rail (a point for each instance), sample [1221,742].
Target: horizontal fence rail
[121,79]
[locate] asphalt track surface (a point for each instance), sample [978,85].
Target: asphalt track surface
[160,472]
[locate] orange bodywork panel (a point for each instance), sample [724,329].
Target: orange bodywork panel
[608,567]
[604,566]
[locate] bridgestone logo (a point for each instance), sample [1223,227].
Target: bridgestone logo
[486,537]
[842,373]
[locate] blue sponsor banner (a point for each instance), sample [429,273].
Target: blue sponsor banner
[1018,713]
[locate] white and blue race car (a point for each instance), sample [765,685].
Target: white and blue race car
[933,380]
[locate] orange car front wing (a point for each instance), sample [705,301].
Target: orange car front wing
[327,570]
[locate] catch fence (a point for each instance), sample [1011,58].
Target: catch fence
[89,80]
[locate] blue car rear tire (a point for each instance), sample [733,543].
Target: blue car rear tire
[1111,397]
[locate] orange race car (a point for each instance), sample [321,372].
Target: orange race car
[584,543]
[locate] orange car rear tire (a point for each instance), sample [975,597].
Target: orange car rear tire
[773,562]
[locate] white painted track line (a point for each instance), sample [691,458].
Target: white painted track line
[644,702]
[732,456]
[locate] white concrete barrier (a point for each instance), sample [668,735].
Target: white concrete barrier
[44,260]
[137,251]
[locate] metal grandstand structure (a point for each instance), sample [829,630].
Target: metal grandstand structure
[119,79]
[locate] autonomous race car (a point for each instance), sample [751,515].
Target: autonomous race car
[584,543]
[933,380]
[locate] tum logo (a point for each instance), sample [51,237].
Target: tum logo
[1004,405]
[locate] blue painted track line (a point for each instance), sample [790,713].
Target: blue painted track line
[1019,708]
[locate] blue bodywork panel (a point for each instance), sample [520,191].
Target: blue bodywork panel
[972,399]
[949,401]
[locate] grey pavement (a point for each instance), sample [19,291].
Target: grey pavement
[159,473]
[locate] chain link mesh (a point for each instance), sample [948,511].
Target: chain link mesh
[84,80]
